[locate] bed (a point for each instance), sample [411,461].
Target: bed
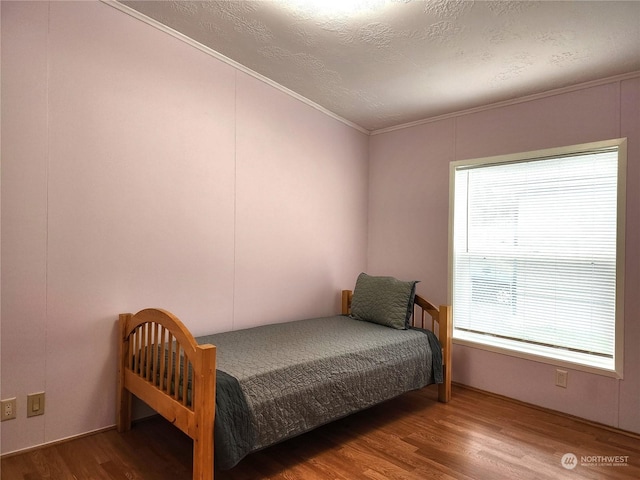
[243,391]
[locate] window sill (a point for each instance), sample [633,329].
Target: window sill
[539,354]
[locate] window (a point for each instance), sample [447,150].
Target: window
[538,253]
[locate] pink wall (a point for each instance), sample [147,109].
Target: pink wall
[301,206]
[408,229]
[138,171]
[408,205]
[24,235]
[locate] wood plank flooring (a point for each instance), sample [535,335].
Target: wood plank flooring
[475,436]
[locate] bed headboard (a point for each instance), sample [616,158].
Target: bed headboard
[444,331]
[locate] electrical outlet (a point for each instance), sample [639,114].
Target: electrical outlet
[35,404]
[561,378]
[8,409]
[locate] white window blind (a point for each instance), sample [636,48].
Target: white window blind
[535,255]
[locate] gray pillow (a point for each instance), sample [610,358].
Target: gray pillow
[383,300]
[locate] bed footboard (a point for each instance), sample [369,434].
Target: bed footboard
[161,363]
[444,331]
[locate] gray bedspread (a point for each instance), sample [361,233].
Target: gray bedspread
[282,380]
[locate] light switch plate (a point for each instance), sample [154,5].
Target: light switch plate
[35,404]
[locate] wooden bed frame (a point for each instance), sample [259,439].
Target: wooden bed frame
[155,378]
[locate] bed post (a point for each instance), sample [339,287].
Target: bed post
[123,402]
[346,301]
[204,408]
[445,334]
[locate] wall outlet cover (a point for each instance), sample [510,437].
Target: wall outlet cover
[561,378]
[8,409]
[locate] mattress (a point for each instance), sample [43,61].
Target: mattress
[280,380]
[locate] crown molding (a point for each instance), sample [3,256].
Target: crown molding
[209,51]
[514,101]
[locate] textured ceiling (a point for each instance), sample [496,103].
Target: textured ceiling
[390,62]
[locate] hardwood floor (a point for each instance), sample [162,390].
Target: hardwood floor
[475,436]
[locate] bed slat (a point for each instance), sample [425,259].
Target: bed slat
[170,364]
[163,365]
[146,372]
[154,355]
[185,380]
[156,351]
[148,352]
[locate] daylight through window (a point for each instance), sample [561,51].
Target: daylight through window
[537,253]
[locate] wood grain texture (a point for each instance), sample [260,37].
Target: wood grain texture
[143,335]
[414,437]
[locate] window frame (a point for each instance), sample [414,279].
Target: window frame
[501,347]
